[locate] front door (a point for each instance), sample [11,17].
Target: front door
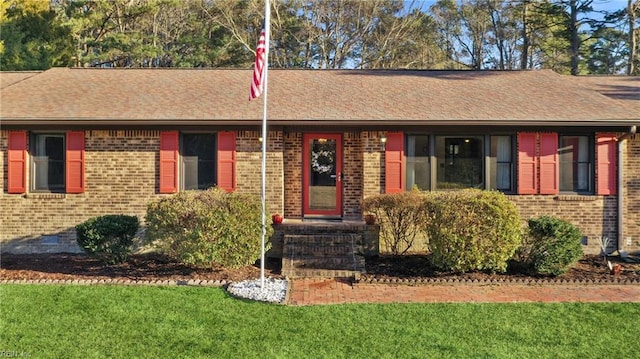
[322,175]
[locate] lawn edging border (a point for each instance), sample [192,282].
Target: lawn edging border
[132,282]
[542,281]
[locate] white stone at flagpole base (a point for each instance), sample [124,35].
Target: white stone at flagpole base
[271,290]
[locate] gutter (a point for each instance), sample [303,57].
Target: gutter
[620,139]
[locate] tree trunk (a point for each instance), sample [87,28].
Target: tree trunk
[633,46]
[524,59]
[575,40]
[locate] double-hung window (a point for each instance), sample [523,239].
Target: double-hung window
[576,163]
[198,160]
[418,173]
[48,170]
[191,161]
[501,169]
[56,162]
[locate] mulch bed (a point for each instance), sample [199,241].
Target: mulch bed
[139,267]
[155,267]
[590,269]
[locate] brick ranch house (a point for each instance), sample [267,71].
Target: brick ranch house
[79,143]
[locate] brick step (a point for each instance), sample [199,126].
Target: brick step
[319,251]
[333,228]
[320,245]
[343,262]
[321,273]
[325,240]
[322,255]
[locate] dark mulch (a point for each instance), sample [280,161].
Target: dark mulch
[591,267]
[148,266]
[153,266]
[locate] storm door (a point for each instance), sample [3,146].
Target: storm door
[322,175]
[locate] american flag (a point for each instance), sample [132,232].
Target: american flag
[258,69]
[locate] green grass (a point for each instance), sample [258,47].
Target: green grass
[195,322]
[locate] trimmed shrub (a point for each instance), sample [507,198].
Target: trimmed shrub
[402,217]
[472,230]
[207,228]
[109,238]
[553,245]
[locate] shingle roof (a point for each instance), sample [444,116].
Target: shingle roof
[626,88]
[318,97]
[8,78]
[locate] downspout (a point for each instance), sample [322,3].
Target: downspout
[620,140]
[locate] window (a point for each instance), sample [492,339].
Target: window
[576,164]
[417,163]
[49,162]
[501,164]
[460,162]
[198,161]
[455,162]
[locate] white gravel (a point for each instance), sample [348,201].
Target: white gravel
[274,291]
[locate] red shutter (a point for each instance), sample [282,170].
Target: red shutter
[527,163]
[227,161]
[607,164]
[394,163]
[169,162]
[17,162]
[548,163]
[75,162]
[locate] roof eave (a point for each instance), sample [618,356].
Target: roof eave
[314,122]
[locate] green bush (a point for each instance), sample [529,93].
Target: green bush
[402,217]
[553,245]
[207,228]
[109,237]
[472,230]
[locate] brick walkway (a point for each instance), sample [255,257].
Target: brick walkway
[336,291]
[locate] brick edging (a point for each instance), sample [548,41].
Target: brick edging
[432,281]
[180,282]
[411,281]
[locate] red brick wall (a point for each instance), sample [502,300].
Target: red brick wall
[631,194]
[594,215]
[249,166]
[352,169]
[373,163]
[121,178]
[293,174]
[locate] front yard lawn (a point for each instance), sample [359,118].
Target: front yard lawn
[50,321]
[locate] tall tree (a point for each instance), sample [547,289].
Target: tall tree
[608,52]
[633,14]
[406,41]
[464,29]
[143,33]
[613,49]
[32,36]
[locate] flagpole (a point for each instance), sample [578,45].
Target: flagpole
[265,135]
